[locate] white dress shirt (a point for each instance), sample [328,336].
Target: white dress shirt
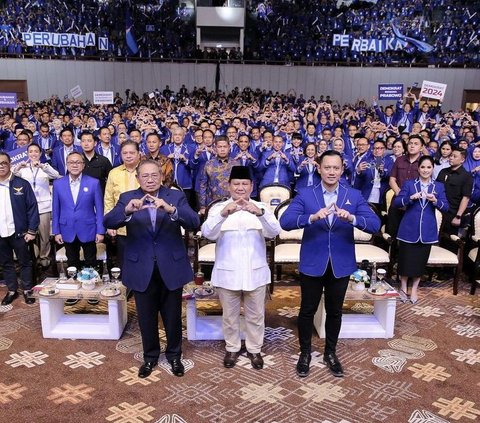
[75,187]
[108,153]
[7,223]
[240,251]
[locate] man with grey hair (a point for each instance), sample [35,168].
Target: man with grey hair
[156,264]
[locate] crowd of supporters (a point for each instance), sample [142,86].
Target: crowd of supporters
[303,31]
[199,135]
[284,31]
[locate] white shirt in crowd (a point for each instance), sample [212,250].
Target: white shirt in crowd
[7,224]
[39,179]
[240,251]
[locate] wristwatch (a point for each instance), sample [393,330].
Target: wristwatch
[263,212]
[458,216]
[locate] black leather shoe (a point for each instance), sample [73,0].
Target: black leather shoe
[9,297]
[27,295]
[177,367]
[230,359]
[333,364]
[303,364]
[146,369]
[256,360]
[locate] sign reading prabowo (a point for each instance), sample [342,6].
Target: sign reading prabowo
[8,100]
[434,90]
[54,39]
[390,91]
[103,97]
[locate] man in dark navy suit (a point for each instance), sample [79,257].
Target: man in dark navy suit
[328,212]
[156,264]
[18,226]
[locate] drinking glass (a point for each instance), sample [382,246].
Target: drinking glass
[71,271]
[381,274]
[115,271]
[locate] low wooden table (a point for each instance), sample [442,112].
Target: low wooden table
[57,324]
[380,324]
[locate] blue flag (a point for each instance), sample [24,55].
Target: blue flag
[420,45]
[132,46]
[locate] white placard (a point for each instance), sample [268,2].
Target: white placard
[103,97]
[76,92]
[434,90]
[151,95]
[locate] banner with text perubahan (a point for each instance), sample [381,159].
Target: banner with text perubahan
[54,39]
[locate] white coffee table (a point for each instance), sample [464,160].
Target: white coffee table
[201,327]
[380,324]
[57,324]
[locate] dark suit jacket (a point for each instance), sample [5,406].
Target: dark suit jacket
[321,242]
[162,247]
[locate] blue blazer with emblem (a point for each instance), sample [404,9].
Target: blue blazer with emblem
[182,171]
[285,170]
[24,206]
[323,242]
[58,158]
[117,158]
[419,223]
[365,179]
[162,247]
[84,218]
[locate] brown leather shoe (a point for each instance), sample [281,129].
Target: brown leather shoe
[256,360]
[230,359]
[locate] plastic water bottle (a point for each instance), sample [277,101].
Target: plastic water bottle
[105,274]
[61,271]
[373,279]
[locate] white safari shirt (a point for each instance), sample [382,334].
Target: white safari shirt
[240,251]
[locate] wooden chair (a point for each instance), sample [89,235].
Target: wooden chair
[61,255]
[441,257]
[274,194]
[286,246]
[366,250]
[473,254]
[204,249]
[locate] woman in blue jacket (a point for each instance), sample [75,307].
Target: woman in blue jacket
[307,168]
[418,228]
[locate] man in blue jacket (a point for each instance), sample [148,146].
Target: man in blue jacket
[77,212]
[328,212]
[156,264]
[18,226]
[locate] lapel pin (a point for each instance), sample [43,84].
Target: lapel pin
[347,203]
[85,189]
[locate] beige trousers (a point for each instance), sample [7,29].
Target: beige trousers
[254,314]
[44,235]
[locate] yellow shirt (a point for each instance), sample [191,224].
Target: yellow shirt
[119,180]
